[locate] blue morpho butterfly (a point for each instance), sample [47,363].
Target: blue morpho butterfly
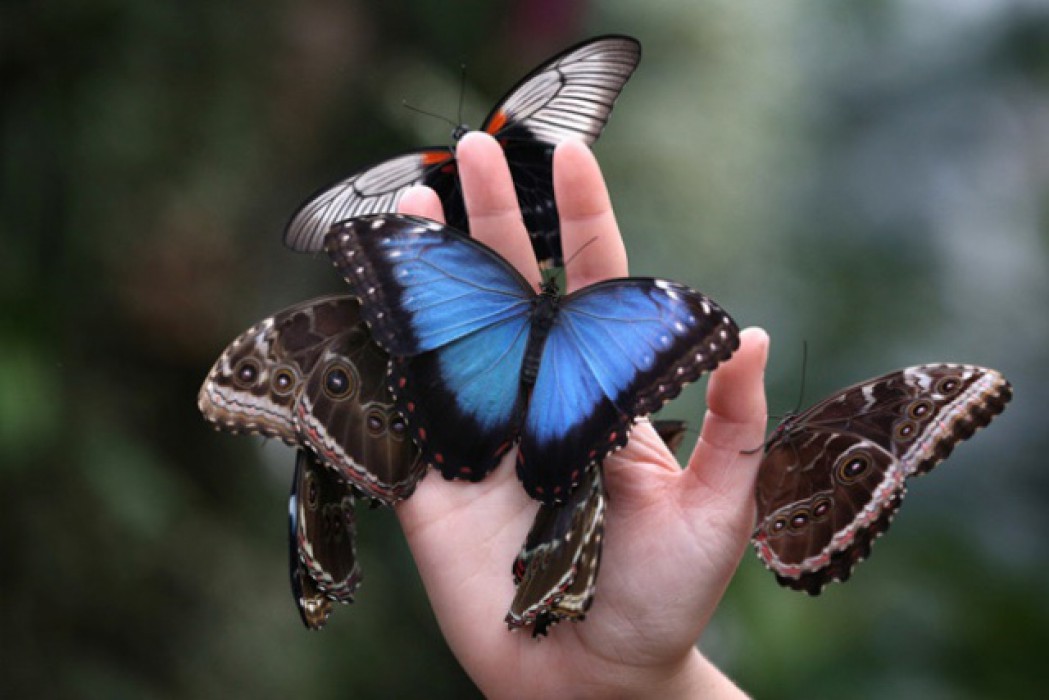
[569,96]
[479,361]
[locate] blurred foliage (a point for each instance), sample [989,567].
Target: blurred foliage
[872,177]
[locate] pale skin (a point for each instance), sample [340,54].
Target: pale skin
[673,537]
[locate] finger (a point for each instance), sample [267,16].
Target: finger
[586,218]
[421,201]
[491,202]
[734,423]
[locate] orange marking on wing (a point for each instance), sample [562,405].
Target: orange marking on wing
[498,122]
[434,157]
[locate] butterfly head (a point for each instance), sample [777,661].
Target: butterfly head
[460,131]
[550,288]
[787,424]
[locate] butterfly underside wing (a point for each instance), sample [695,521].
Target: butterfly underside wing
[556,570]
[323,540]
[311,375]
[569,96]
[832,478]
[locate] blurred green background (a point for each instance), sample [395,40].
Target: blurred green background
[869,176]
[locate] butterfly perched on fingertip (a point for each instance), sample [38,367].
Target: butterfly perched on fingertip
[480,361]
[569,96]
[832,478]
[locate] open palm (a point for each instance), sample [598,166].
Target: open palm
[672,538]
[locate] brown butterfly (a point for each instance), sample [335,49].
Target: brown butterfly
[556,569]
[832,478]
[311,376]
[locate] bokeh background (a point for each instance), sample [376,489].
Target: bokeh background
[871,177]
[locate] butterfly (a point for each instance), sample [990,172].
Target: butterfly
[322,540]
[311,376]
[569,96]
[832,478]
[556,570]
[481,362]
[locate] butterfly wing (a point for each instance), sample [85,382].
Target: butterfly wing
[456,318]
[557,567]
[327,529]
[617,350]
[818,495]
[919,413]
[256,382]
[346,415]
[375,189]
[833,477]
[569,96]
[314,605]
[281,378]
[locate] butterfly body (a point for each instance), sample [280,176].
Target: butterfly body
[569,96]
[833,477]
[481,361]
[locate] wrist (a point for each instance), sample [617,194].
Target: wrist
[694,677]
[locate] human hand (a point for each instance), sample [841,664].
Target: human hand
[673,537]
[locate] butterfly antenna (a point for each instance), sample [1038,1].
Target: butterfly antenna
[443,118]
[562,273]
[804,367]
[462,90]
[797,407]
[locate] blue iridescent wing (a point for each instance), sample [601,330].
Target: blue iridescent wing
[457,318]
[617,350]
[424,285]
